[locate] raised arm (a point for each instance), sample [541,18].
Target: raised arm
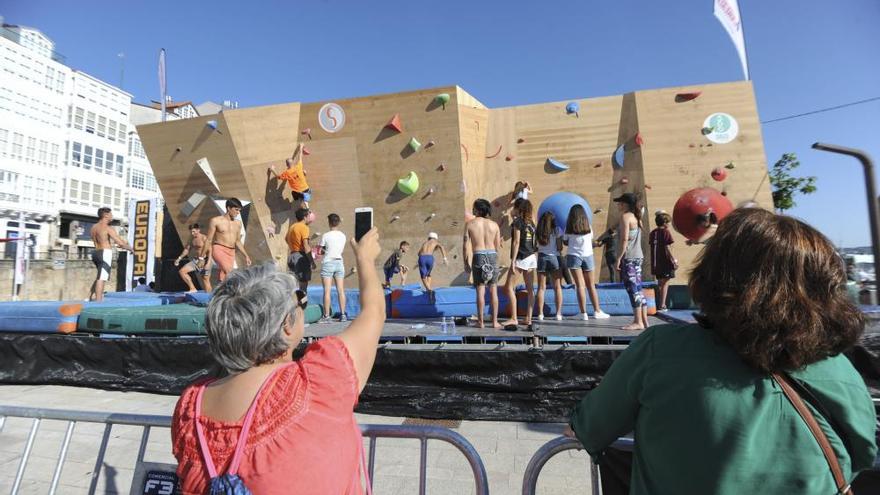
[362,336]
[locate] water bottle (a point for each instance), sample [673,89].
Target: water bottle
[452,325]
[444,326]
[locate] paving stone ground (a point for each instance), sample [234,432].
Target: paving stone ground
[505,448]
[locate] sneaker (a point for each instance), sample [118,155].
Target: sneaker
[559,317]
[540,317]
[343,317]
[584,316]
[601,315]
[325,319]
[662,310]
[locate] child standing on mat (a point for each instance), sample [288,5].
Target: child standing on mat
[579,259]
[332,267]
[549,238]
[426,261]
[663,264]
[295,176]
[392,265]
[524,253]
[629,231]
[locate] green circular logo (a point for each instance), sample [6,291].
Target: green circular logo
[720,123]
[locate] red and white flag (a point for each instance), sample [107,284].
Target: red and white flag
[727,12]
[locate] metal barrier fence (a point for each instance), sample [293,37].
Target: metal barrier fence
[147,422]
[561,444]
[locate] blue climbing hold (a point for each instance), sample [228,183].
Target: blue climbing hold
[556,164]
[618,156]
[572,108]
[560,203]
[212,124]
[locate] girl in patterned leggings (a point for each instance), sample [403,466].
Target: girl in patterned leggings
[631,257]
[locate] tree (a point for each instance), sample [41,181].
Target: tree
[785,185]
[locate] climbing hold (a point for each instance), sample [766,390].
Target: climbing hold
[696,205]
[719,174]
[730,166]
[442,167]
[618,156]
[573,108]
[520,140]
[212,124]
[305,151]
[394,124]
[508,158]
[556,164]
[442,99]
[707,130]
[177,150]
[395,218]
[270,231]
[408,184]
[724,193]
[431,190]
[648,187]
[624,180]
[496,153]
[307,132]
[560,203]
[429,144]
[597,165]
[414,144]
[682,97]
[467,156]
[692,145]
[638,139]
[432,215]
[597,211]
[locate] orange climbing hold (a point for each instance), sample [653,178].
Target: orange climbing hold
[394,124]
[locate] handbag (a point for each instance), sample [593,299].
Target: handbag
[843,488]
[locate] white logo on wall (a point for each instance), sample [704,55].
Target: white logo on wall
[331,117]
[723,128]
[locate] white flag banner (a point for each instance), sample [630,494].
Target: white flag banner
[163,89]
[727,12]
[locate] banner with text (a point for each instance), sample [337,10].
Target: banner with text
[142,218]
[727,12]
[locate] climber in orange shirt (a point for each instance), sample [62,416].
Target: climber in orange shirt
[295,176]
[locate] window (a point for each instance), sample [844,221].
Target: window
[4,138]
[84,193]
[17,140]
[108,163]
[111,130]
[96,194]
[90,122]
[117,199]
[77,155]
[102,126]
[31,148]
[151,182]
[44,152]
[53,155]
[137,179]
[73,193]
[50,78]
[78,118]
[122,130]
[87,158]
[59,83]
[99,161]
[108,195]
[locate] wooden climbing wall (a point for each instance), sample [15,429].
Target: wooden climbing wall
[467,151]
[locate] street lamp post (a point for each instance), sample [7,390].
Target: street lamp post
[870,188]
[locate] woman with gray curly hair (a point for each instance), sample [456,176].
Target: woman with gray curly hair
[278,425]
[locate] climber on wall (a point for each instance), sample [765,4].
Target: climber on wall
[295,176]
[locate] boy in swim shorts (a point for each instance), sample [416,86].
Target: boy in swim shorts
[426,261]
[392,265]
[482,240]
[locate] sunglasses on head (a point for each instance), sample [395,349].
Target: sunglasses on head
[301,299]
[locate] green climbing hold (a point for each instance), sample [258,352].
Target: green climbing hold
[415,144]
[707,130]
[408,184]
[730,166]
[442,99]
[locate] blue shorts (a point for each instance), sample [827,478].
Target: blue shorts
[548,263]
[574,262]
[332,269]
[426,265]
[390,271]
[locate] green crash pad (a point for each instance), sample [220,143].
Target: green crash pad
[175,319]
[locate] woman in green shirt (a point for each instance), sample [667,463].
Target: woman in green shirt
[706,415]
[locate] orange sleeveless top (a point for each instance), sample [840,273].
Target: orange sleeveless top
[304,437]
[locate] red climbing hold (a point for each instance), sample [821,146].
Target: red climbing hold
[682,97]
[719,174]
[694,207]
[508,158]
[306,151]
[394,124]
[520,140]
[638,139]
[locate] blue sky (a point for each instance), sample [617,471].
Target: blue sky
[804,55]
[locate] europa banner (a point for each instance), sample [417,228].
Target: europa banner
[142,218]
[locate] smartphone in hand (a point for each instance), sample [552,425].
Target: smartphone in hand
[363,221]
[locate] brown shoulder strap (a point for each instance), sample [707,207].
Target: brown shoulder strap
[842,486]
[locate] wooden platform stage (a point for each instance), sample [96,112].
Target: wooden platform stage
[429,331]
